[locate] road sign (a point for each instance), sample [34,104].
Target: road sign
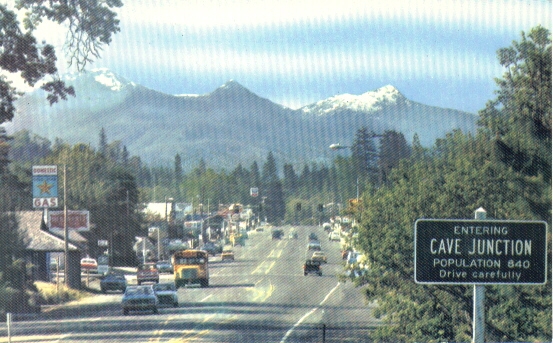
[254,191]
[76,220]
[45,186]
[450,251]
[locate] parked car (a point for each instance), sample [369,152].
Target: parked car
[313,237]
[139,298]
[227,255]
[319,256]
[89,265]
[334,236]
[312,267]
[293,235]
[164,266]
[167,294]
[147,272]
[113,282]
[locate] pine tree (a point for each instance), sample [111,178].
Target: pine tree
[272,189]
[103,143]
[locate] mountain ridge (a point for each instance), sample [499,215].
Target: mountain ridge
[228,125]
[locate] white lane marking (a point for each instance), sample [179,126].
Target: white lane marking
[308,314]
[204,299]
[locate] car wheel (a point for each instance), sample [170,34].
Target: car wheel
[320,274]
[138,283]
[304,274]
[104,291]
[176,305]
[155,311]
[125,312]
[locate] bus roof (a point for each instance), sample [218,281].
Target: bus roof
[190,253]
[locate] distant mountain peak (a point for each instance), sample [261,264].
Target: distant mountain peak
[231,87]
[369,102]
[102,76]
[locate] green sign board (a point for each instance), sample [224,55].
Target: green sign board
[450,251]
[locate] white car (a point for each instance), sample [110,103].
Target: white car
[334,236]
[167,294]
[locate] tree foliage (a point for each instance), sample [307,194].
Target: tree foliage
[91,25]
[503,169]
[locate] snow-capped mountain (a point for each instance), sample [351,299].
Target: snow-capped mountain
[227,126]
[371,101]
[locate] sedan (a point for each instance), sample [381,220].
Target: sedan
[113,282]
[167,294]
[139,298]
[319,256]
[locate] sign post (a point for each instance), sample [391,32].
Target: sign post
[480,252]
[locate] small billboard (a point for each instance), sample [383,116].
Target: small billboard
[76,220]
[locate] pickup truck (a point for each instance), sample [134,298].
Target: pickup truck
[311,266]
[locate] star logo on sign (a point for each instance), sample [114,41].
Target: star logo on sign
[45,188]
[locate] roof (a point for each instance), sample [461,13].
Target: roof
[33,230]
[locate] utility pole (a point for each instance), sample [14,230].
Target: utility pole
[65,229]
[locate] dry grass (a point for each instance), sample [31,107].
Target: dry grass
[51,294]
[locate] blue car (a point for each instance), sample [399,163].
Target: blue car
[113,282]
[140,298]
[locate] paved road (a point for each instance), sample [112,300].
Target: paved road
[260,297]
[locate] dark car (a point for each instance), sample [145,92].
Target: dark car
[212,248]
[313,237]
[277,234]
[312,267]
[113,282]
[164,266]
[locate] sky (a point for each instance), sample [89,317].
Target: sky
[296,52]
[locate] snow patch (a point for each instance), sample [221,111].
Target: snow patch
[370,101]
[109,80]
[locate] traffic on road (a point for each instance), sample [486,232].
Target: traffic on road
[261,295]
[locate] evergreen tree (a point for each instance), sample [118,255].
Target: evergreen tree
[103,143]
[393,148]
[255,174]
[290,180]
[364,156]
[519,119]
[272,189]
[178,175]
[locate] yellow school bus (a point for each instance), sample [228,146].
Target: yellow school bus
[191,266]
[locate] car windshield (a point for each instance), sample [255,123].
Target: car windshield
[138,291]
[164,287]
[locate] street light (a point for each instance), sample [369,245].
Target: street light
[167,226]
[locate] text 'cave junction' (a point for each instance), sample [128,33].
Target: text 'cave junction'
[453,251]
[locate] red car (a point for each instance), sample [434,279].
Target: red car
[147,272]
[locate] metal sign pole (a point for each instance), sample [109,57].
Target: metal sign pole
[65,230]
[479,297]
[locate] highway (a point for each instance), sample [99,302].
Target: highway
[262,296]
